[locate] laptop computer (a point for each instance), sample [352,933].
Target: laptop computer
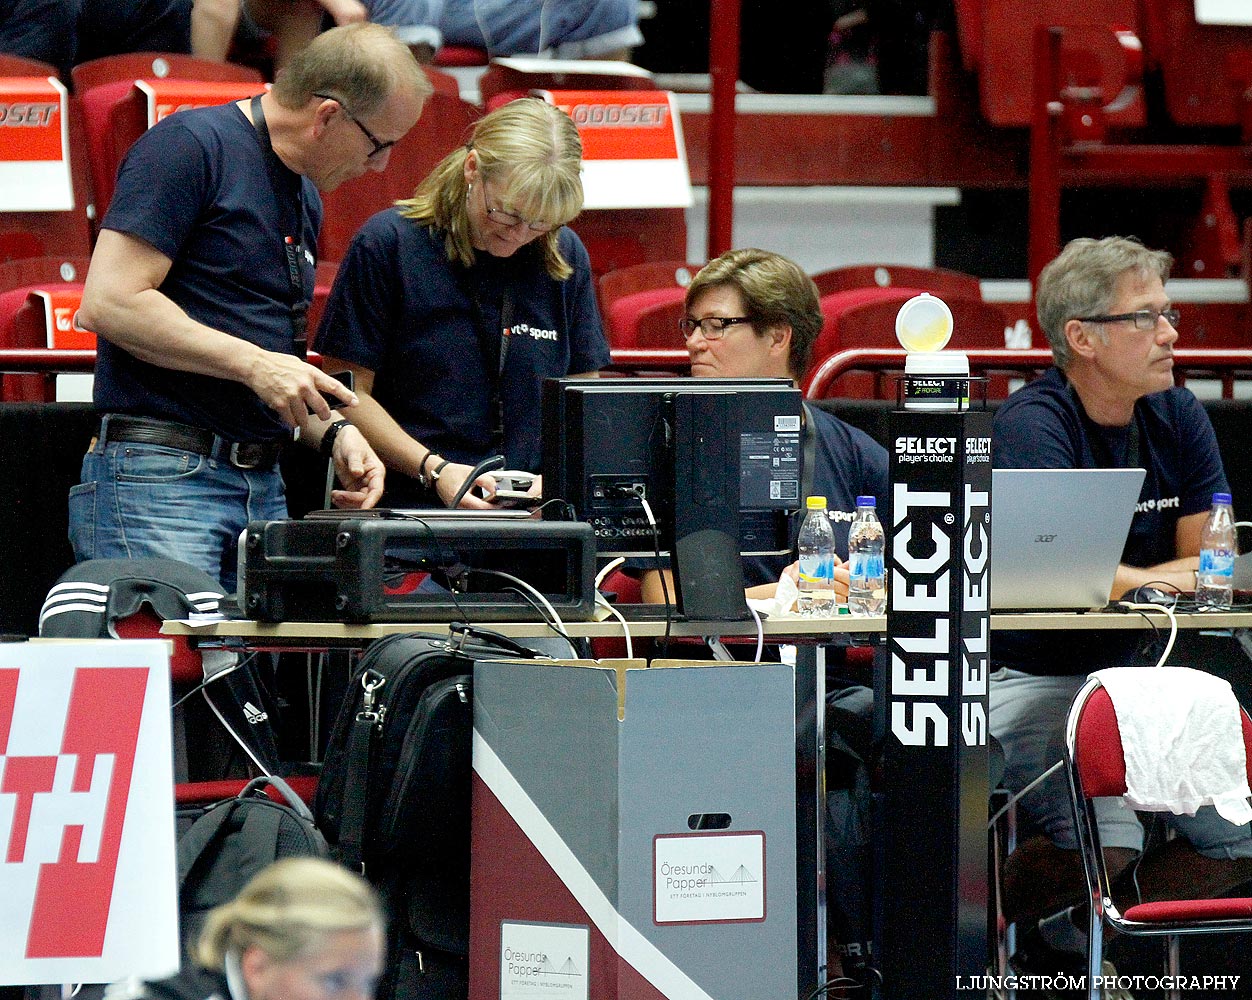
[1057,535]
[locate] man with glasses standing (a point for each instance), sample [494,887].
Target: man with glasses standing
[198,288]
[1109,402]
[453,307]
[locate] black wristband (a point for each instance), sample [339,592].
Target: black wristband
[327,447]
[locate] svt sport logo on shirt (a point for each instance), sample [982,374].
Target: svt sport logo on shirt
[522,329]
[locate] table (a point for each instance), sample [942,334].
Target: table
[810,637]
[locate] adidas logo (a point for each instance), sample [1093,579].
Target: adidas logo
[253,714]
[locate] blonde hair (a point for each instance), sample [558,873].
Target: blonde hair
[360,64]
[531,153]
[287,909]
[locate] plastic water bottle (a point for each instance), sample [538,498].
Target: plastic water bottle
[1217,556]
[867,588]
[817,562]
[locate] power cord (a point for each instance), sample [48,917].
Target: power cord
[1168,612]
[486,465]
[531,594]
[605,603]
[656,549]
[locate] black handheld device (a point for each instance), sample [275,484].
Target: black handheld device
[334,402]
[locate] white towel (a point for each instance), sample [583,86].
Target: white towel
[1183,740]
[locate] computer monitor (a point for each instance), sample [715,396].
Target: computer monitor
[719,462]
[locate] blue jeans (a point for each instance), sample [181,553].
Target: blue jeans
[149,501]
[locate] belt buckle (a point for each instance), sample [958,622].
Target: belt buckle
[246,454]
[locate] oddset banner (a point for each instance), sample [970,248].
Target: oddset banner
[34,146]
[87,871]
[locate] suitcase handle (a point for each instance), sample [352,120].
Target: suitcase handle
[463,632]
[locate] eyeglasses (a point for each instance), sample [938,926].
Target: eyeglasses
[380,147]
[1144,319]
[711,327]
[511,220]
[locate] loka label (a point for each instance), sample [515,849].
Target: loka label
[544,961]
[87,872]
[702,878]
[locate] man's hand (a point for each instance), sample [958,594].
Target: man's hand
[293,388]
[358,470]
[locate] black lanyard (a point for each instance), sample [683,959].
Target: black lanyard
[293,245]
[495,351]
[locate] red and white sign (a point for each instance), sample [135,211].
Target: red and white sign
[87,870]
[60,306]
[167,96]
[34,146]
[60,310]
[633,152]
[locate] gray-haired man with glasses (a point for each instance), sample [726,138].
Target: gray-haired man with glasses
[1110,401]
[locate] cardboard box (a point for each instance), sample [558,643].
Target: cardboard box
[634,831]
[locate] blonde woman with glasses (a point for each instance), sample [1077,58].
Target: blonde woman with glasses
[452,308]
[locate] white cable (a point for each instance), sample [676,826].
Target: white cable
[555,621]
[760,633]
[1013,798]
[608,568]
[647,512]
[607,605]
[1168,612]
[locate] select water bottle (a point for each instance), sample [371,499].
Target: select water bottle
[867,587]
[817,562]
[1217,556]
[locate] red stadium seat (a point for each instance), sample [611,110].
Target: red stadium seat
[131,66]
[627,293]
[936,280]
[11,65]
[865,317]
[461,55]
[444,125]
[23,324]
[43,234]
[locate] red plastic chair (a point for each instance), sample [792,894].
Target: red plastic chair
[68,233]
[11,65]
[627,293]
[936,280]
[1096,763]
[23,323]
[131,66]
[444,125]
[865,317]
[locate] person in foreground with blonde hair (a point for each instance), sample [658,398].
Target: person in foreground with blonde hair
[302,929]
[453,307]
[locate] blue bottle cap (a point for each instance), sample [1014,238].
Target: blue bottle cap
[1217,498]
[866,502]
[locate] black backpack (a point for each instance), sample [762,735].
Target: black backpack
[226,845]
[394,798]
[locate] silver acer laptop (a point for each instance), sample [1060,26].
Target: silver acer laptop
[1057,535]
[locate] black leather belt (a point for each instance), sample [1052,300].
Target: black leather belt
[146,430]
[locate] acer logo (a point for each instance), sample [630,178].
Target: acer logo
[1045,538]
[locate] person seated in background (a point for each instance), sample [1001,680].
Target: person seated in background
[568,29]
[426,287]
[755,314]
[301,928]
[1108,402]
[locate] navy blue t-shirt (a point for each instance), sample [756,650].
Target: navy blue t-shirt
[402,310]
[197,188]
[1043,426]
[847,463]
